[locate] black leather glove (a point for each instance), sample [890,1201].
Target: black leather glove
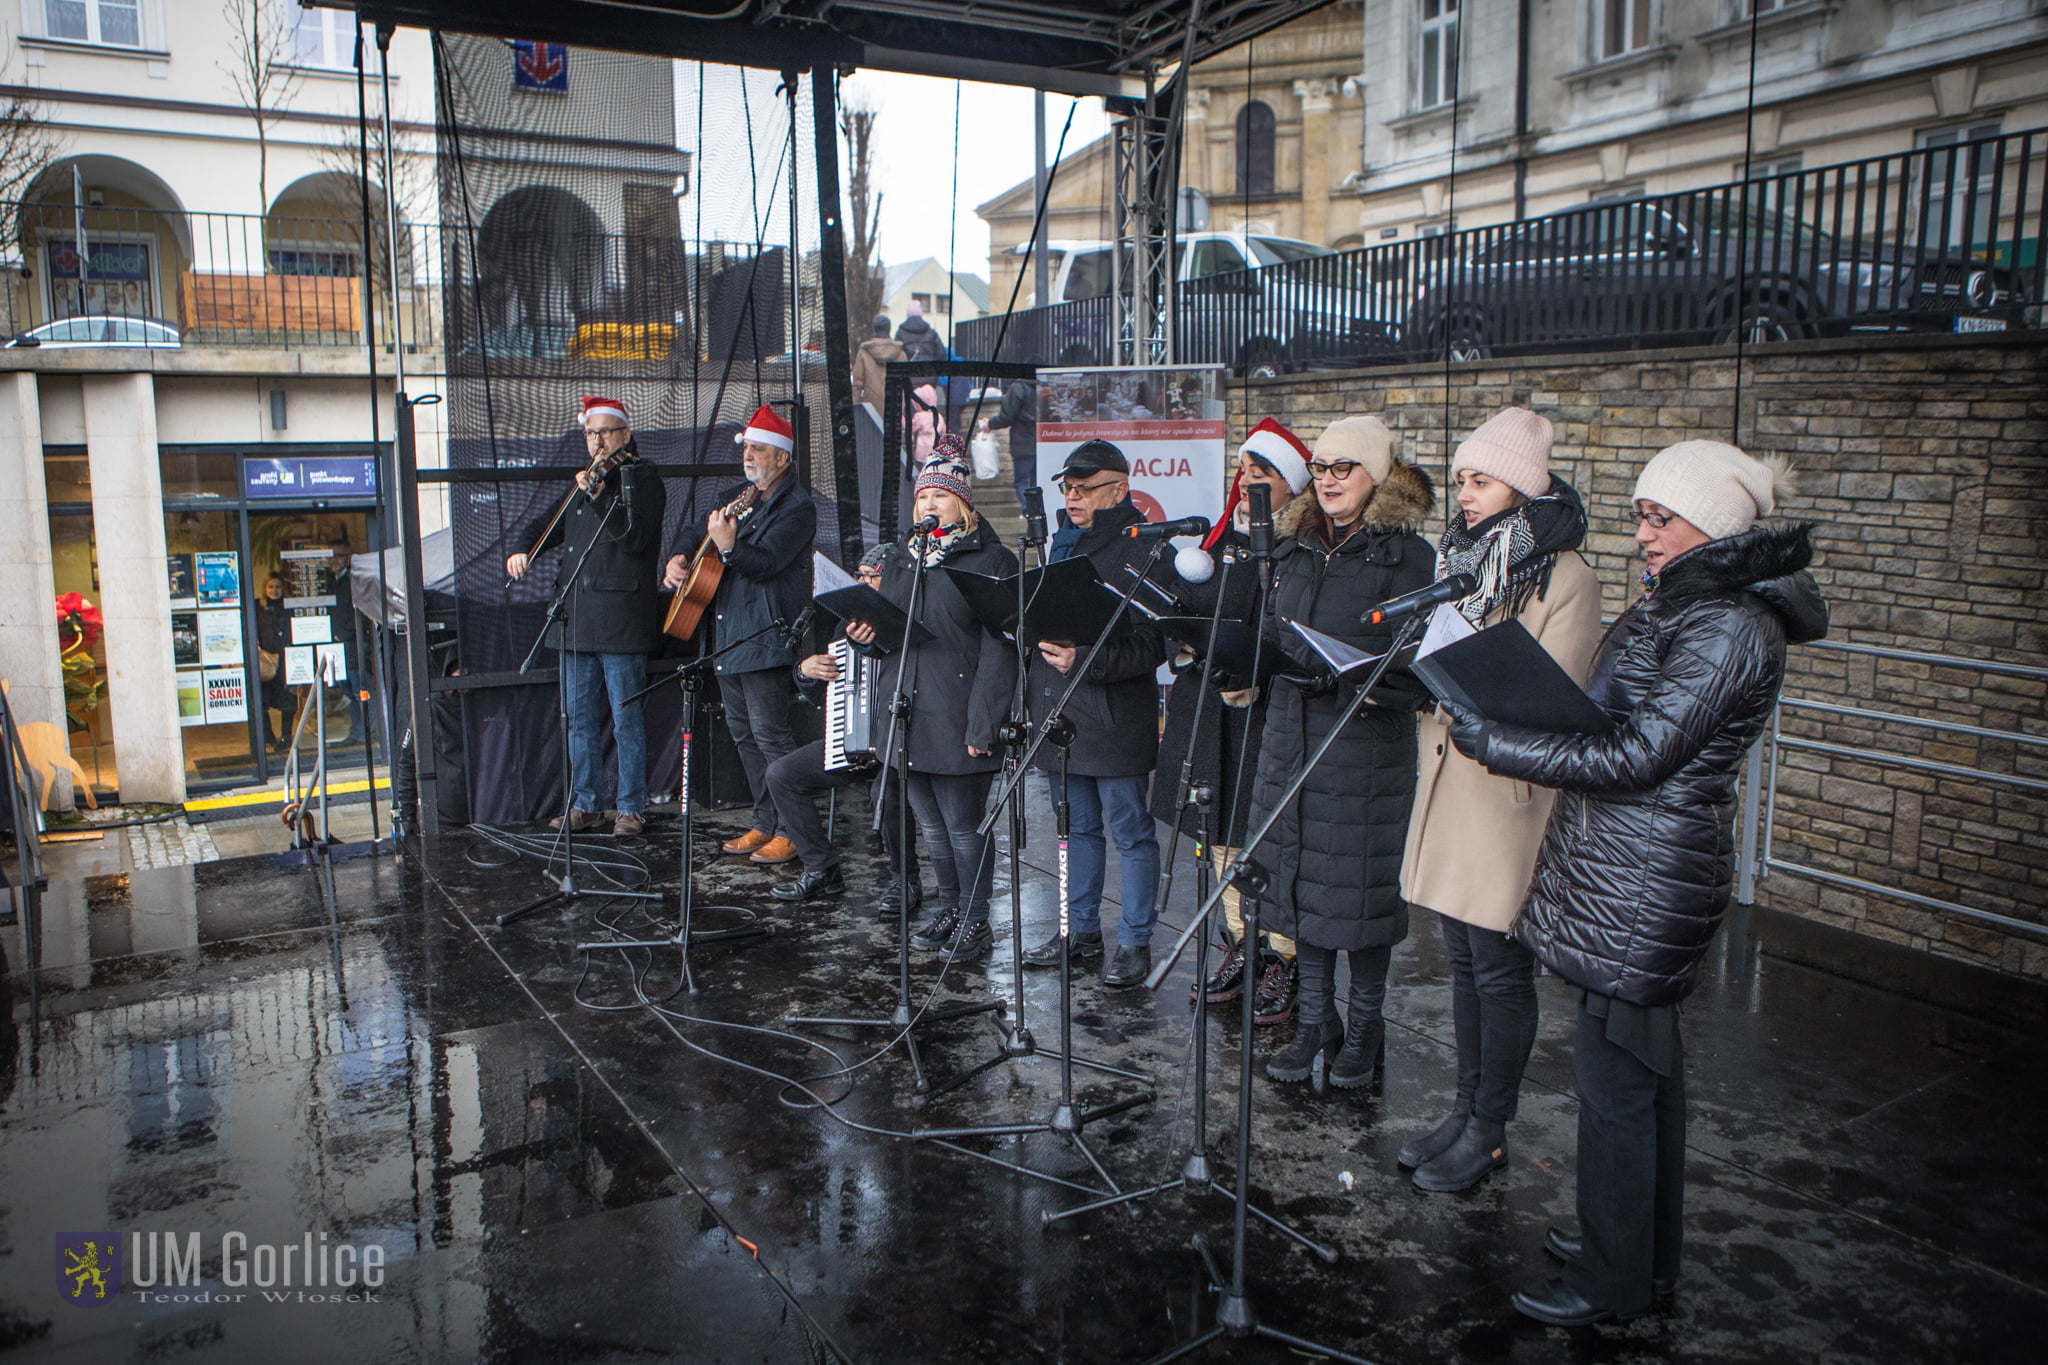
[1470,731]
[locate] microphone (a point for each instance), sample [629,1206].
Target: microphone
[796,628]
[925,527]
[1458,585]
[1034,515]
[1260,519]
[1186,526]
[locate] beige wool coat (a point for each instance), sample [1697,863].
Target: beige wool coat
[1472,837]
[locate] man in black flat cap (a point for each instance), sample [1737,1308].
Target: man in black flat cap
[1115,714]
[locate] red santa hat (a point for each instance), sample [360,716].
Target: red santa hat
[604,407]
[1281,449]
[765,428]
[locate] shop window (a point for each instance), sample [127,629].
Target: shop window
[209,652]
[67,475]
[191,475]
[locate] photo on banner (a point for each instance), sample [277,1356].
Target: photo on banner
[1168,420]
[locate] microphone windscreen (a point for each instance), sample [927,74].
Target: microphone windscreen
[1194,565]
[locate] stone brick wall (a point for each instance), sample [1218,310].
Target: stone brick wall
[1925,462]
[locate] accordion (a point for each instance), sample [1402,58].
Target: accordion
[850,709]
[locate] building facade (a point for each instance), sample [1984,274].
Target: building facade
[165,485]
[944,298]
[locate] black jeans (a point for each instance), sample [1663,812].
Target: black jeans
[1631,1168]
[1493,1010]
[798,779]
[948,807]
[757,712]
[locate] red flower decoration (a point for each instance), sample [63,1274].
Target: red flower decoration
[79,617]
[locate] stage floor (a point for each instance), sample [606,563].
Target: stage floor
[556,1171]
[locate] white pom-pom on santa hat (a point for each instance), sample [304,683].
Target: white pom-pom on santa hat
[765,428]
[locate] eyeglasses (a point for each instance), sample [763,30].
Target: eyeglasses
[1070,487]
[1657,520]
[1335,469]
[599,433]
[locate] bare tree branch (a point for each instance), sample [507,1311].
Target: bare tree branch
[28,147]
[260,70]
[863,269]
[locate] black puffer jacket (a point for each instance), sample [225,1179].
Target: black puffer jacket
[1224,743]
[961,681]
[1637,864]
[1335,854]
[1116,711]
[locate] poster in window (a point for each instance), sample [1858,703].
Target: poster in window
[226,697]
[298,665]
[178,569]
[192,698]
[220,638]
[332,662]
[112,279]
[185,639]
[219,575]
[312,628]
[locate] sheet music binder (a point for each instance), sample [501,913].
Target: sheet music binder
[1504,675]
[862,603]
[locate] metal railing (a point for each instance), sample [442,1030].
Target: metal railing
[1755,855]
[1944,239]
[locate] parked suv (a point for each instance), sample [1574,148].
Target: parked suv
[1683,270]
[1254,302]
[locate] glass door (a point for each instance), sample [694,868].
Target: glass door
[300,613]
[209,644]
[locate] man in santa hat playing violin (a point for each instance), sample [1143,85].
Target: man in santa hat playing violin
[611,622]
[762,531]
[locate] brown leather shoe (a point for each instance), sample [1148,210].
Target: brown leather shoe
[776,850]
[746,843]
[580,822]
[627,825]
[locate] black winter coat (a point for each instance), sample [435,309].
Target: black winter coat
[1335,853]
[1639,858]
[960,683]
[920,341]
[615,606]
[1226,740]
[1116,711]
[768,580]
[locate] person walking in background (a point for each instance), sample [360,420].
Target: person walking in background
[919,339]
[870,364]
[1636,865]
[1019,414]
[1472,837]
[1333,860]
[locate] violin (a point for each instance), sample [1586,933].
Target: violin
[691,601]
[600,469]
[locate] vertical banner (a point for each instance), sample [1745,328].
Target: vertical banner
[1167,420]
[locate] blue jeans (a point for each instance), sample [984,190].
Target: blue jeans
[1120,804]
[589,679]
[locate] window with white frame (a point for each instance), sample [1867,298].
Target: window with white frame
[325,39]
[1961,185]
[1624,26]
[115,23]
[1436,54]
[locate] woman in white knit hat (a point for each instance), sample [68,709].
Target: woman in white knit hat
[1517,530]
[1636,866]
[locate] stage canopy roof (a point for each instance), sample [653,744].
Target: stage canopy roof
[1079,47]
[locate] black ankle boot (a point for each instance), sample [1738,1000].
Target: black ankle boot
[1436,1142]
[1479,1151]
[1316,1028]
[1363,1055]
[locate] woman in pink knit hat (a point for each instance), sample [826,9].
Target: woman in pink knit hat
[1517,530]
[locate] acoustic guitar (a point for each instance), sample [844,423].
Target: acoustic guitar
[693,599]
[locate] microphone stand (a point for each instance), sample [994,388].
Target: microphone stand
[1066,1120]
[1237,1317]
[565,840]
[896,756]
[1014,1038]
[691,676]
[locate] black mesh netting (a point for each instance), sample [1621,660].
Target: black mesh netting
[578,259]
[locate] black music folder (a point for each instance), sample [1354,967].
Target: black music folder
[992,600]
[1236,643]
[862,603]
[1504,675]
[1065,603]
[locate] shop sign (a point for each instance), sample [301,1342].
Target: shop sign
[333,476]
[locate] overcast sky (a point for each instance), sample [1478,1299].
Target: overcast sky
[914,161]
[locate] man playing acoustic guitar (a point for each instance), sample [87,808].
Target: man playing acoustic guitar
[761,532]
[611,622]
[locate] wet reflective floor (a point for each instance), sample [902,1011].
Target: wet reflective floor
[223,1080]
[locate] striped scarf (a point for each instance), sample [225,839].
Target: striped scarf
[1512,553]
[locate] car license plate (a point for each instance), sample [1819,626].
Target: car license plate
[1980,324]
